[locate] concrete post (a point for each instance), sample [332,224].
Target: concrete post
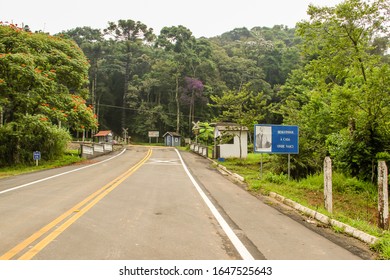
[383,196]
[328,184]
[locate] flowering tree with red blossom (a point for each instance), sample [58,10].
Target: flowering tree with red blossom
[43,87]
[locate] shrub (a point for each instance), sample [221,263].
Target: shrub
[19,140]
[274,178]
[343,184]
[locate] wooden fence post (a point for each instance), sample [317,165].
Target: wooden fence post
[328,184]
[383,196]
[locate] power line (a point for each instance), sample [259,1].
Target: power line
[142,110]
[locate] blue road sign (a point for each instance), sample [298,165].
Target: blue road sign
[37,155]
[276,139]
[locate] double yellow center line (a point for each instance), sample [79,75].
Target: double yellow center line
[68,218]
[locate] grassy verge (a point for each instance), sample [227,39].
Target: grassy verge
[354,202]
[70,157]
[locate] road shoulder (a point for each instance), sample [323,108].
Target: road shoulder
[201,168]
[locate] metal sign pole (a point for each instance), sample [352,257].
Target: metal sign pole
[261,166]
[289,156]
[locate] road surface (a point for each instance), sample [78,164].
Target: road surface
[145,204]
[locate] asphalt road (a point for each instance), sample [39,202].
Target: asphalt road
[150,203]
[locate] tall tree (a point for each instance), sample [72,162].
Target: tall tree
[95,48]
[179,41]
[244,107]
[43,87]
[193,90]
[348,99]
[130,35]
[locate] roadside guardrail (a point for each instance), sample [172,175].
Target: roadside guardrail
[200,149]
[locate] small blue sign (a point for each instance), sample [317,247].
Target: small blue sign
[276,139]
[37,155]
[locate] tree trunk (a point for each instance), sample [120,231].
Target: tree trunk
[1,116]
[125,89]
[191,113]
[94,88]
[177,105]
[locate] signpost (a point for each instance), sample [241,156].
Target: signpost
[153,134]
[196,129]
[125,132]
[276,139]
[36,157]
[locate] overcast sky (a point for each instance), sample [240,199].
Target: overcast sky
[203,17]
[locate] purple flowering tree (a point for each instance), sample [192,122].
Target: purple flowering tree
[193,90]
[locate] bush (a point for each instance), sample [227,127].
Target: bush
[343,184]
[356,153]
[18,140]
[274,178]
[313,182]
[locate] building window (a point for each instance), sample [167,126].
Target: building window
[231,141]
[227,138]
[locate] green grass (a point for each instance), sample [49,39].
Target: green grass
[70,157]
[338,229]
[354,201]
[383,246]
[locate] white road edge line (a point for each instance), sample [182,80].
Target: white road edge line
[242,250]
[61,174]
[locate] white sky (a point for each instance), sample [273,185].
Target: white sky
[203,17]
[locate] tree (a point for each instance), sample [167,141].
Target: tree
[92,43]
[130,35]
[179,41]
[243,108]
[193,90]
[42,79]
[206,132]
[82,35]
[349,83]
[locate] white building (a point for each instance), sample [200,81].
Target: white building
[235,134]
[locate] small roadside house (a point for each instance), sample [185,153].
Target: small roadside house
[228,137]
[104,136]
[172,139]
